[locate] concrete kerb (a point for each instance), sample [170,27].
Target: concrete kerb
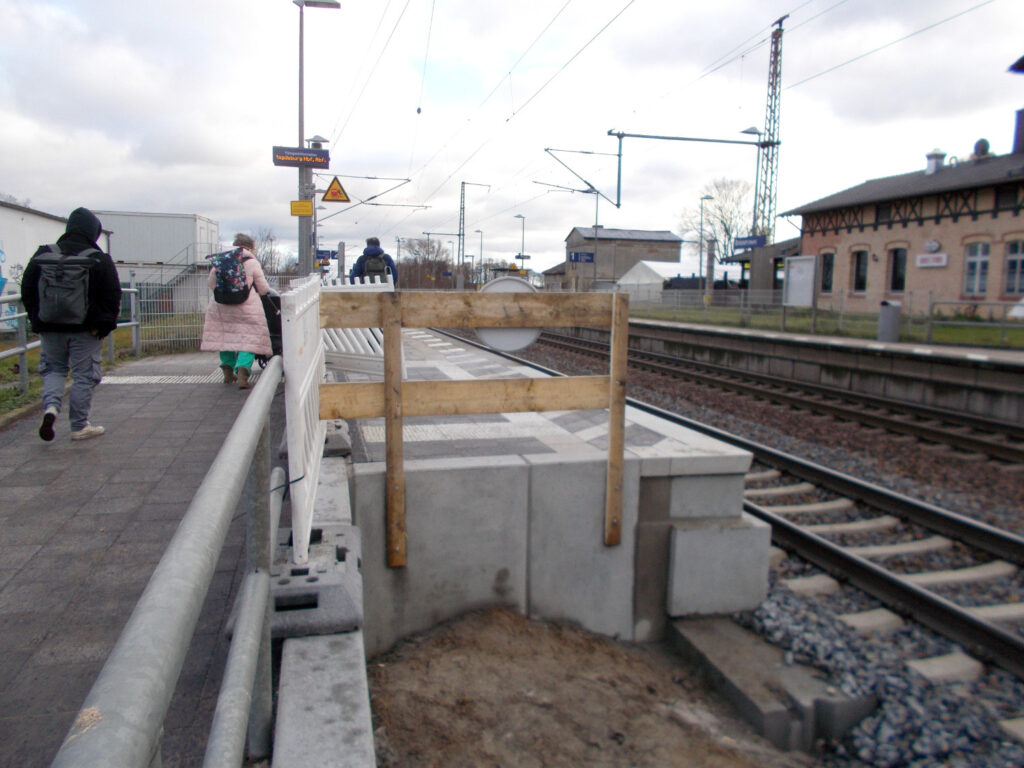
[787,704]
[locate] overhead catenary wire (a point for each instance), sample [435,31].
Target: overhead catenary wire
[335,138]
[890,43]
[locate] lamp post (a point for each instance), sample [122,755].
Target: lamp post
[522,242]
[306,174]
[754,131]
[700,245]
[480,253]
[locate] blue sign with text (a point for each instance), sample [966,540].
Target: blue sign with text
[751,241]
[585,256]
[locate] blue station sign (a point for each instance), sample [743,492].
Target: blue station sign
[751,241]
[585,257]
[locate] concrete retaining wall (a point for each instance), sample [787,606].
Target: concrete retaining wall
[527,531]
[984,383]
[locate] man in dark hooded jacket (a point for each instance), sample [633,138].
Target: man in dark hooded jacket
[373,251]
[74,347]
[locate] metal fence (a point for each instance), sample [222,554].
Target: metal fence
[917,317]
[121,721]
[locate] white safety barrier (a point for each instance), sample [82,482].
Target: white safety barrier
[306,351]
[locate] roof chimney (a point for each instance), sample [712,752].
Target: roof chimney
[1018,136]
[935,158]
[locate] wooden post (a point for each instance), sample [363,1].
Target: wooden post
[391,310]
[616,418]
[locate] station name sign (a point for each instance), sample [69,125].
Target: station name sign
[753,241]
[296,157]
[581,256]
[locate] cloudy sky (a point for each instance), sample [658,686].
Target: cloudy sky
[174,106]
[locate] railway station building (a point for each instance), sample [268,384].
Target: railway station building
[596,257]
[951,232]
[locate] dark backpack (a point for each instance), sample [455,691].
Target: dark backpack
[375,266]
[231,287]
[64,285]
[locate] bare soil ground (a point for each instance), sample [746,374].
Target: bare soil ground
[494,688]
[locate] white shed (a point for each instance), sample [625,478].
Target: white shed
[643,281]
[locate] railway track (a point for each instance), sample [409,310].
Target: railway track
[935,589]
[971,435]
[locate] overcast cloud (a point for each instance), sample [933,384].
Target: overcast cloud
[174,106]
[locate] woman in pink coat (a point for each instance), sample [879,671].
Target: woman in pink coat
[239,331]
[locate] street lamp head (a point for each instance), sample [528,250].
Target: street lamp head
[707,197]
[318,3]
[519,216]
[752,131]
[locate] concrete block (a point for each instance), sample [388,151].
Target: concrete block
[466,528]
[650,589]
[572,574]
[717,565]
[693,496]
[787,704]
[323,706]
[690,496]
[332,504]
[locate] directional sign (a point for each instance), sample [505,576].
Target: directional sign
[295,157]
[753,241]
[335,193]
[584,256]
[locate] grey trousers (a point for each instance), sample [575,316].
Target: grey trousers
[78,353]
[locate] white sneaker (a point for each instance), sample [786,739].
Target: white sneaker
[87,431]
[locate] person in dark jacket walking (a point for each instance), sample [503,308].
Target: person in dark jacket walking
[73,346]
[374,263]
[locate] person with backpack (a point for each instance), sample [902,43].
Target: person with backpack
[235,324]
[374,264]
[72,296]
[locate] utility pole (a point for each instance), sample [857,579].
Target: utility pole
[462,220]
[768,145]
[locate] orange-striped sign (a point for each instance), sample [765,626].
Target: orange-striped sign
[335,193]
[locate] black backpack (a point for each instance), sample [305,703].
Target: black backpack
[64,285]
[375,266]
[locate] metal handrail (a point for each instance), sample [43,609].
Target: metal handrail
[121,720]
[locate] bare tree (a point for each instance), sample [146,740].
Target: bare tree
[425,264]
[267,252]
[728,215]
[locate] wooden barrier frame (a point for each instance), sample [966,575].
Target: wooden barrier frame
[394,398]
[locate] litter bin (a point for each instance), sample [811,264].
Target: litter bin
[889,321]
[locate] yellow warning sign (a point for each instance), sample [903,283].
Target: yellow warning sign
[302,207]
[335,193]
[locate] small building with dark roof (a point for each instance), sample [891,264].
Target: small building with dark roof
[596,257]
[950,232]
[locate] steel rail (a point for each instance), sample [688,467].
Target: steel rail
[982,638]
[726,377]
[995,541]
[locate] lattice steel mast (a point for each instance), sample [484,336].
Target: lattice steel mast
[768,146]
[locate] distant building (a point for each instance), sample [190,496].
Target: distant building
[952,231]
[645,280]
[22,231]
[764,269]
[595,257]
[554,278]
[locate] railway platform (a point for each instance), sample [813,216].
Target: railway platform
[82,526]
[85,523]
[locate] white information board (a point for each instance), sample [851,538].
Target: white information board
[798,287]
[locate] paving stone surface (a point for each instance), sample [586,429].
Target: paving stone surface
[82,526]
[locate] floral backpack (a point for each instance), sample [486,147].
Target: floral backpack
[231,287]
